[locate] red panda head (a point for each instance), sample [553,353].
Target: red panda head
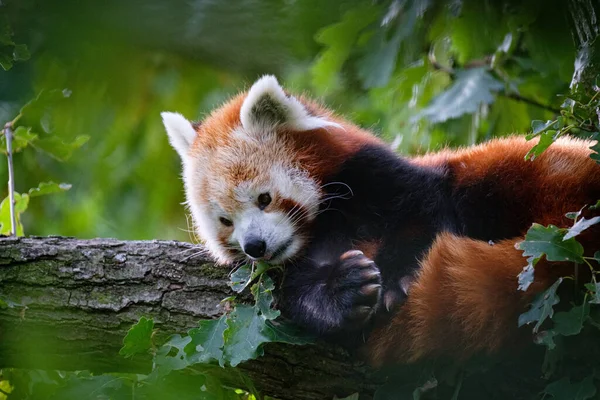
[253,171]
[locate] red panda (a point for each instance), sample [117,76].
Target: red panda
[417,252]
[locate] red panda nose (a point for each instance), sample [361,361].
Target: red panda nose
[255,247]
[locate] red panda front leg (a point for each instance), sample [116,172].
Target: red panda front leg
[464,300]
[331,296]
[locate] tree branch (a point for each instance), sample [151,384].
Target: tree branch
[81,296]
[518,97]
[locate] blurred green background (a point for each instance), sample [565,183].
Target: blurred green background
[422,74]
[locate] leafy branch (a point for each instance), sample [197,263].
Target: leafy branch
[10,52]
[488,65]
[235,337]
[16,138]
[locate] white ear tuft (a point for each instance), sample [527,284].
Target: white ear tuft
[181,132]
[267,106]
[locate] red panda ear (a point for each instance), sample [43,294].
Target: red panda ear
[267,106]
[181,132]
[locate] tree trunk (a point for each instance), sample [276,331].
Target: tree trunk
[79,297]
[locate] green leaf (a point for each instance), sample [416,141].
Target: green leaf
[247,331]
[549,241]
[57,148]
[22,137]
[376,68]
[260,268]
[241,278]
[45,188]
[165,361]
[246,274]
[263,297]
[594,287]
[580,226]
[6,61]
[526,276]
[504,49]
[538,126]
[244,336]
[546,338]
[21,53]
[207,341]
[476,31]
[595,206]
[569,323]
[542,307]
[565,390]
[139,338]
[178,342]
[338,40]
[21,203]
[35,109]
[546,140]
[472,88]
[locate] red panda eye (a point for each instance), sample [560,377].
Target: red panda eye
[225,221]
[264,200]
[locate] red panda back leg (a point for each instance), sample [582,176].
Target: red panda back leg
[464,300]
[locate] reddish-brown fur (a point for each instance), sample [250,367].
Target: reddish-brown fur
[320,151]
[465,298]
[564,174]
[370,249]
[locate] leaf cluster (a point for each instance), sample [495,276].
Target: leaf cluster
[10,52]
[234,338]
[550,327]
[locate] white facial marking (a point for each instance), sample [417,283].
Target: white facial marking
[277,228]
[269,159]
[181,133]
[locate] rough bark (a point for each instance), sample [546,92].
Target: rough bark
[81,296]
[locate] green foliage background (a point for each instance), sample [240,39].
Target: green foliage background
[422,74]
[380,64]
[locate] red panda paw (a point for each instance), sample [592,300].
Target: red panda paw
[356,288]
[396,293]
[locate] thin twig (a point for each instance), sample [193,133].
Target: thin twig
[518,97]
[11,178]
[436,65]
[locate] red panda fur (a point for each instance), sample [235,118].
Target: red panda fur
[463,299]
